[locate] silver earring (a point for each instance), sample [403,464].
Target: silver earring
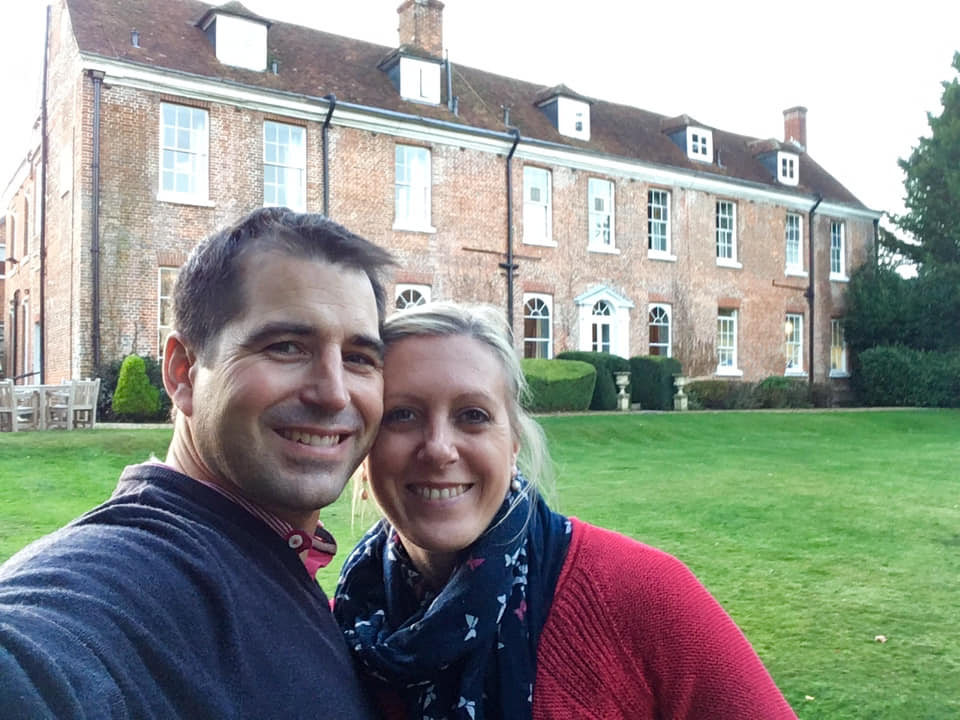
[514,482]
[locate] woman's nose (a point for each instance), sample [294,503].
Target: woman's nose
[439,446]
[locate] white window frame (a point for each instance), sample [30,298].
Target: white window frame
[788,168]
[420,80]
[726,233]
[838,251]
[288,161]
[3,262]
[600,213]
[164,329]
[534,303]
[602,309]
[838,349]
[793,339]
[412,188]
[410,295]
[538,212]
[658,224]
[700,144]
[728,360]
[190,159]
[573,118]
[793,245]
[660,310]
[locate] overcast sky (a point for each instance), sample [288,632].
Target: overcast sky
[867,74]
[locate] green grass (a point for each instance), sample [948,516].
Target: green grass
[816,531]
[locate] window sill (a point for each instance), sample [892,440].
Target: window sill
[729,372]
[541,243]
[603,249]
[662,256]
[839,374]
[723,262]
[793,272]
[795,373]
[184,200]
[837,277]
[400,227]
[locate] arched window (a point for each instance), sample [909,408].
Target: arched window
[537,335]
[600,329]
[659,320]
[409,296]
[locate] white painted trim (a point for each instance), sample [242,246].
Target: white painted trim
[729,372]
[603,249]
[661,256]
[123,74]
[727,263]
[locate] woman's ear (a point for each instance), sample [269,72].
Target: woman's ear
[178,375]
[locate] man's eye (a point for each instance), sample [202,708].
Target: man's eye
[398,415]
[286,347]
[474,416]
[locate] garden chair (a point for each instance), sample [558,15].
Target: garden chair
[73,406]
[8,406]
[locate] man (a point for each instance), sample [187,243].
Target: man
[190,593]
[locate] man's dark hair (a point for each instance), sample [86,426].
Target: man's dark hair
[209,289]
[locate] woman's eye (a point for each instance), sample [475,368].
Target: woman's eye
[474,416]
[362,359]
[398,415]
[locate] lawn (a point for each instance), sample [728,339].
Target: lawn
[817,531]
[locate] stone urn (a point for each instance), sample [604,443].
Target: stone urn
[679,400]
[623,399]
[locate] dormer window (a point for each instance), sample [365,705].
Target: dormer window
[568,112]
[420,80]
[788,168]
[238,36]
[700,144]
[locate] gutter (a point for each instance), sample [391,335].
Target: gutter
[809,293]
[97,78]
[331,105]
[43,202]
[509,265]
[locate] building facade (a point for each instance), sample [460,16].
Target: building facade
[594,225]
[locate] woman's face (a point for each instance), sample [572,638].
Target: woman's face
[442,462]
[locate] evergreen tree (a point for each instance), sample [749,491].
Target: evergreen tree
[933,187]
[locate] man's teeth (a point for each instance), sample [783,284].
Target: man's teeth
[308,439]
[432,493]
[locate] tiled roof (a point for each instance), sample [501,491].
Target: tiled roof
[316,63]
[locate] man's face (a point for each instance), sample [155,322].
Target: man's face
[290,397]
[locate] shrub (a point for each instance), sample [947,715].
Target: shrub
[651,381]
[558,385]
[720,395]
[777,391]
[900,376]
[135,398]
[109,373]
[605,390]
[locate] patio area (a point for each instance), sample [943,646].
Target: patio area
[70,405]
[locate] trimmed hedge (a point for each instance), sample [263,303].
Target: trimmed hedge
[605,390]
[109,373]
[135,397]
[775,391]
[651,381]
[900,376]
[559,385]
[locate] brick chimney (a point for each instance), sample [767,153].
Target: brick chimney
[795,125]
[421,26]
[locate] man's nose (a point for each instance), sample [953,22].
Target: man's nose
[326,385]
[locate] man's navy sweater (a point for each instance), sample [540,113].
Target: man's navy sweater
[169,601]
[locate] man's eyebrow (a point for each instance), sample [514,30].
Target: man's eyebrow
[275,329]
[371,342]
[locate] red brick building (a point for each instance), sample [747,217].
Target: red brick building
[626,230]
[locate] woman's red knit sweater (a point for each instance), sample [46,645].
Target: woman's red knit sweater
[633,634]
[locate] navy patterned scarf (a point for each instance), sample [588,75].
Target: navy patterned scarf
[469,652]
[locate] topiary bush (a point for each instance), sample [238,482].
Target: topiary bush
[135,398]
[605,390]
[109,373]
[651,381]
[559,385]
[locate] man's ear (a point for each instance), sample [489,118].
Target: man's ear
[178,376]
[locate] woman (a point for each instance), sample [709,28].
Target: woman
[472,599]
